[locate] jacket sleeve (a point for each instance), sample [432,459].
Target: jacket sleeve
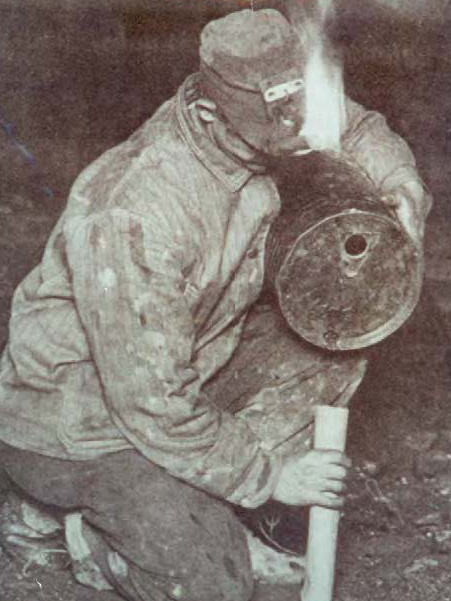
[383,155]
[128,289]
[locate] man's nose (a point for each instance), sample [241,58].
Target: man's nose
[289,113]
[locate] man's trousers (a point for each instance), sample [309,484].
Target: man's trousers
[174,541]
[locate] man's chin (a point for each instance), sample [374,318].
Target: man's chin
[292,145]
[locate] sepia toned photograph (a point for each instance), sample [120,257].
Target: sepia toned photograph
[225,300]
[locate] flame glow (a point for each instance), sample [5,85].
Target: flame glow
[325,114]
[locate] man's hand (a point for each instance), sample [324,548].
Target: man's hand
[317,478]
[407,204]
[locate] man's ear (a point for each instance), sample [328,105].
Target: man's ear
[207,110]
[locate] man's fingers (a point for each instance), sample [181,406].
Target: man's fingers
[333,486]
[409,219]
[405,210]
[328,456]
[334,472]
[329,500]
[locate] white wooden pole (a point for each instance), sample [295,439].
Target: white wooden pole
[330,433]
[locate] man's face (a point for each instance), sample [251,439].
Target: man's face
[280,134]
[296,112]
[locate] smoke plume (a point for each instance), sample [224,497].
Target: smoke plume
[325,115]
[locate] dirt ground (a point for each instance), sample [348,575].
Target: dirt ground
[66,106]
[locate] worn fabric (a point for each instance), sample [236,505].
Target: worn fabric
[173,537]
[275,380]
[141,297]
[177,542]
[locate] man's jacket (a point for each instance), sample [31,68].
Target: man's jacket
[140,299]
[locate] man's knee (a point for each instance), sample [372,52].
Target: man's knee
[215,563]
[206,570]
[223,578]
[184,544]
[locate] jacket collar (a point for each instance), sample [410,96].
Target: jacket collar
[231,172]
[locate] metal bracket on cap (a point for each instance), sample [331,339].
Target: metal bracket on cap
[282,90]
[280,86]
[283,96]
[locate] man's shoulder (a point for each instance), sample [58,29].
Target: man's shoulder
[152,161]
[156,143]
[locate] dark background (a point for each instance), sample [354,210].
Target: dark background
[78,76]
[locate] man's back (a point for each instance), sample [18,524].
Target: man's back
[165,219]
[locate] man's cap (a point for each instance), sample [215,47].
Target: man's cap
[247,46]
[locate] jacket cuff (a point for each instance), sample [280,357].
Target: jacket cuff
[260,481]
[401,175]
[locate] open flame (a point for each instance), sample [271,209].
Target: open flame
[325,114]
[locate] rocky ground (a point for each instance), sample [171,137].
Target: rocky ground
[396,530]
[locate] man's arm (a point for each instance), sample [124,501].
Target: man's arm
[389,162]
[128,289]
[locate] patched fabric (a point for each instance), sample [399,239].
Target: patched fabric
[138,529]
[140,300]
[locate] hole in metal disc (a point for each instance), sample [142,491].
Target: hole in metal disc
[356,245]
[331,337]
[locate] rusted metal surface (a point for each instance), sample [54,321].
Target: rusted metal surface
[345,274]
